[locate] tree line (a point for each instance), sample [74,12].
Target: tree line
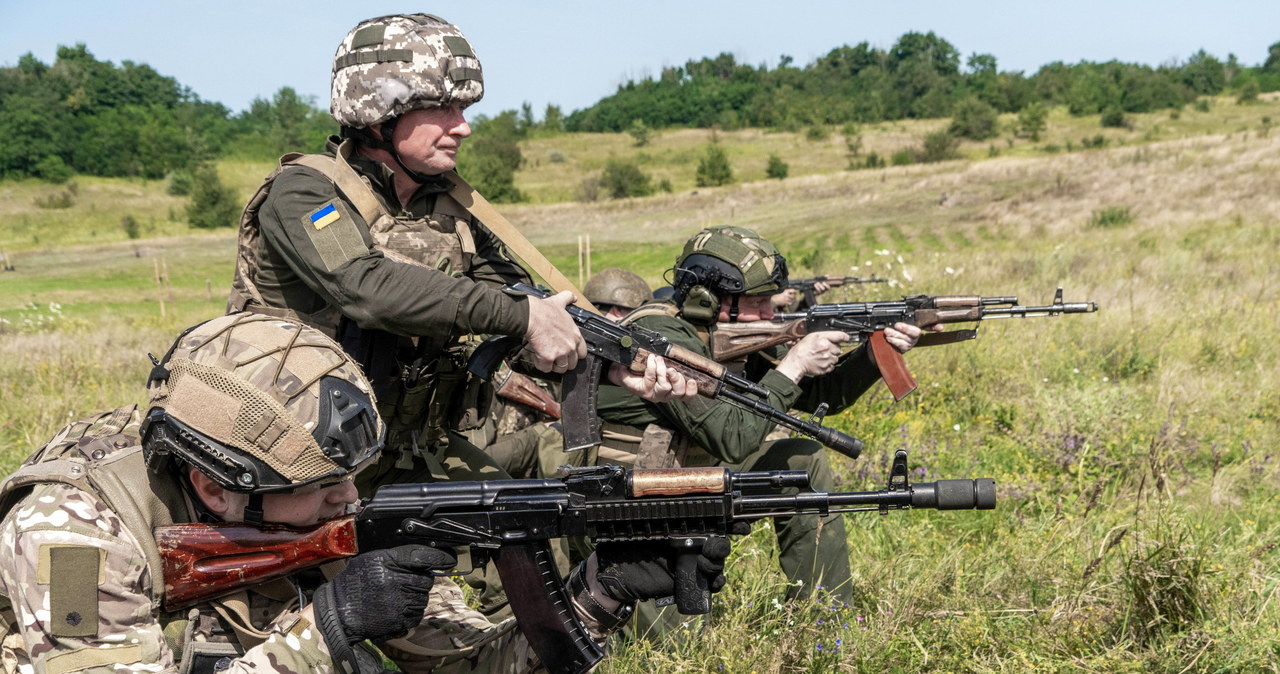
[920,76]
[85,116]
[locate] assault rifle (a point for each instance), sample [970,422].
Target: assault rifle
[512,522]
[866,321]
[809,298]
[630,346]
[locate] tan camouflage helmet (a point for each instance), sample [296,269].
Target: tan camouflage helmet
[617,287]
[730,261]
[390,65]
[261,404]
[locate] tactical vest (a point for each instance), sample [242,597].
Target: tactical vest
[416,389]
[101,455]
[654,445]
[442,241]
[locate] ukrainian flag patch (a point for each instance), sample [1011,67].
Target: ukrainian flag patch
[325,216]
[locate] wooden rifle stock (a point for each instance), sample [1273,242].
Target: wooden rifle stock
[522,389]
[203,561]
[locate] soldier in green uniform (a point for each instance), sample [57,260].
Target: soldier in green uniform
[730,274]
[365,243]
[260,420]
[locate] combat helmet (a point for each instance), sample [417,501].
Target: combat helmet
[724,261]
[617,287]
[261,405]
[390,65]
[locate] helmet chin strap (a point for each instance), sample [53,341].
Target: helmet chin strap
[733,309]
[388,131]
[253,510]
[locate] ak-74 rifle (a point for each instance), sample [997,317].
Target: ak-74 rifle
[513,521]
[806,286]
[630,346]
[866,321]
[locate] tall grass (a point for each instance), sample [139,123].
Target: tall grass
[1134,449]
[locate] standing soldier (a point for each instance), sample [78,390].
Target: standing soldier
[365,243]
[264,421]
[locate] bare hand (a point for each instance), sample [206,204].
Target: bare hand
[784,299]
[658,383]
[820,287]
[815,354]
[552,337]
[903,336]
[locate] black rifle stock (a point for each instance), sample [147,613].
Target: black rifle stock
[630,346]
[866,322]
[513,522]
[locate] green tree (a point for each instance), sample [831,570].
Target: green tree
[776,168]
[713,168]
[623,178]
[938,146]
[1032,120]
[639,132]
[553,119]
[973,118]
[212,204]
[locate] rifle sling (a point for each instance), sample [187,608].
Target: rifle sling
[480,207]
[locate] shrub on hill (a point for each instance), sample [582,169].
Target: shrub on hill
[623,178]
[212,204]
[713,168]
[973,119]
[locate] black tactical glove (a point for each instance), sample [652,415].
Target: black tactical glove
[381,594]
[685,568]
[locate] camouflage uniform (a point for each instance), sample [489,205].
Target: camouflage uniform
[81,579]
[327,241]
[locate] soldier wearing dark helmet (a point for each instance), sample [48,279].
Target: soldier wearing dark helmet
[260,420]
[730,274]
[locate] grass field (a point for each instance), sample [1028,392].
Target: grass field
[1135,449]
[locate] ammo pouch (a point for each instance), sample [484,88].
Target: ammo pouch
[425,401]
[651,447]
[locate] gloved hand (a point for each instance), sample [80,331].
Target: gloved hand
[381,594]
[635,571]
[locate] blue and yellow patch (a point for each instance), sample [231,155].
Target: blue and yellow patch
[327,215]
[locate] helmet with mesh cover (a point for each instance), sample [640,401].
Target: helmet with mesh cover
[390,65]
[261,405]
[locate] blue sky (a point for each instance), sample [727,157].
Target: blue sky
[572,53]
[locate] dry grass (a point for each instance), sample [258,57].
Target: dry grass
[1134,448]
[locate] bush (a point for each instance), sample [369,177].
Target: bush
[639,132]
[52,169]
[588,190]
[938,146]
[973,118]
[1098,141]
[1113,118]
[1248,93]
[622,178]
[873,161]
[57,200]
[1032,121]
[130,226]
[212,204]
[903,158]
[815,133]
[1111,217]
[179,183]
[1202,105]
[776,168]
[556,157]
[713,168]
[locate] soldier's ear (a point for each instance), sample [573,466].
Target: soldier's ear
[217,499]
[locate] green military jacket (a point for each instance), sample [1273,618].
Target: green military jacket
[430,270]
[728,433]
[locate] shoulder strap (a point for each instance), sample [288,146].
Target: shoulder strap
[473,201]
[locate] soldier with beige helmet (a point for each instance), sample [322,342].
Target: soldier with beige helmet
[261,420]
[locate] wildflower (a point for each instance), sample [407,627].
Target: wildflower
[956,427]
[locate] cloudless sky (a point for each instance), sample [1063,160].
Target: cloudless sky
[573,52]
